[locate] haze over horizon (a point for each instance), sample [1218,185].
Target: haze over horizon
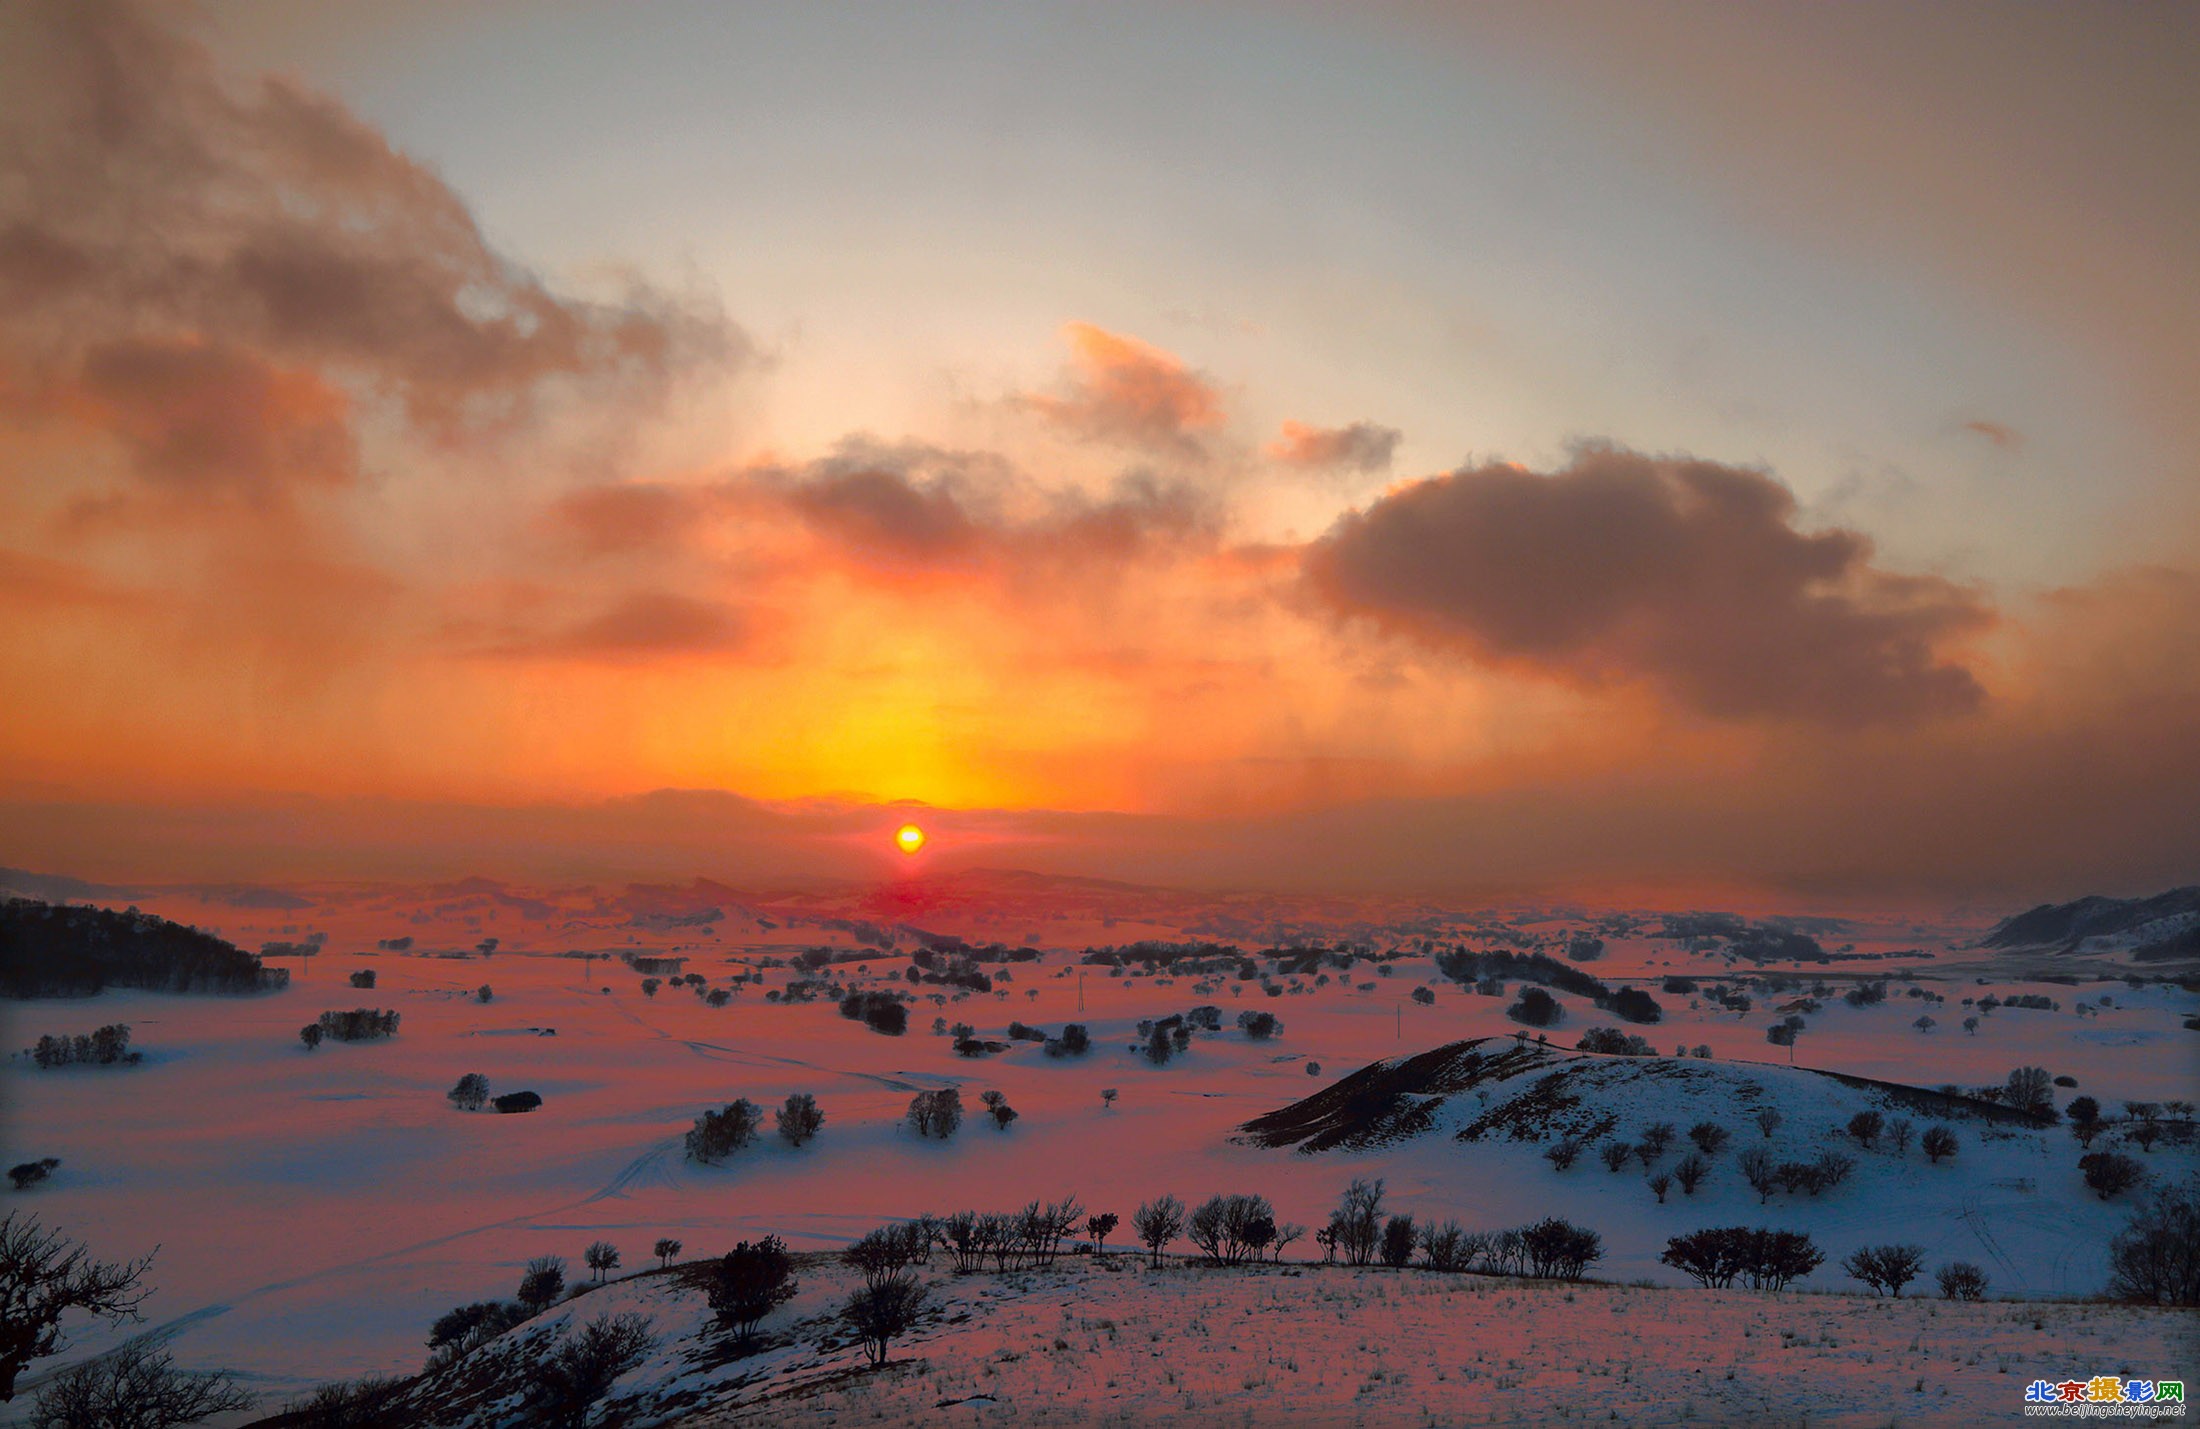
[1226,447]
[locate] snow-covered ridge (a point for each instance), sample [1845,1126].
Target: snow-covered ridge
[1501,1088]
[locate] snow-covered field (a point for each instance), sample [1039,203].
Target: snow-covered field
[1110,1342]
[315,1211]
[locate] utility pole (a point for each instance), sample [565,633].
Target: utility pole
[1080,989]
[1400,1010]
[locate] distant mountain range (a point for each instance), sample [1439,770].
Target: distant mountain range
[2156,929]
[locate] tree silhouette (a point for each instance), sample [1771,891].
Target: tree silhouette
[471,1093]
[877,1313]
[1158,1222]
[135,1386]
[1886,1268]
[750,1282]
[44,1276]
[542,1282]
[602,1257]
[800,1118]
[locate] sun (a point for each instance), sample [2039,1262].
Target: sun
[909,838]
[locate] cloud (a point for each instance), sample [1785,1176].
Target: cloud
[881,512]
[1120,390]
[640,626]
[627,517]
[2006,437]
[1361,447]
[198,416]
[39,583]
[892,506]
[148,202]
[1686,573]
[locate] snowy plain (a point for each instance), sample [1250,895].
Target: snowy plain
[314,1211]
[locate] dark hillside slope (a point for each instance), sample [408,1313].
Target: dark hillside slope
[2066,924]
[59,950]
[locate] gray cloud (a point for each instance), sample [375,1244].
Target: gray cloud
[1686,573]
[1362,447]
[148,199]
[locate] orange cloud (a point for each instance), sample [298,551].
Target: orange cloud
[1120,390]
[205,417]
[644,626]
[1361,447]
[2006,437]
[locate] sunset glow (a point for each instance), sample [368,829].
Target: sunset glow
[727,712]
[1699,522]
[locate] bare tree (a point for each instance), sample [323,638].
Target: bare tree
[664,1250]
[135,1387]
[750,1282]
[1690,1172]
[1938,1143]
[1100,1227]
[602,1257]
[2155,1260]
[2109,1174]
[1357,1222]
[2032,1091]
[1768,1121]
[583,1366]
[1760,1172]
[878,1312]
[800,1118]
[936,1113]
[889,1250]
[1899,1133]
[1446,1246]
[718,1134]
[1158,1222]
[370,1402]
[542,1282]
[1886,1268]
[43,1276]
[471,1093]
[1399,1240]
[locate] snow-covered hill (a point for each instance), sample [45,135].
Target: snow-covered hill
[1498,1087]
[1462,1130]
[1104,1340]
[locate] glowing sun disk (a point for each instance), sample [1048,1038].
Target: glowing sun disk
[909,838]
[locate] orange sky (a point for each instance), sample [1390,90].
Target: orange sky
[326,518]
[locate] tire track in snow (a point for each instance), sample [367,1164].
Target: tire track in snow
[1975,1219]
[718,1052]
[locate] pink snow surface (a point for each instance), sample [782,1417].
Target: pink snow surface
[314,1212]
